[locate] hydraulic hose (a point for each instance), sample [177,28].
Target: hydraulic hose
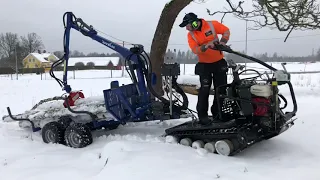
[174,85]
[147,69]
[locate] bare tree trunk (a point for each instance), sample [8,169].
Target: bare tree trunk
[161,37]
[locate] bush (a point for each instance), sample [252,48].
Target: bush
[79,64]
[90,64]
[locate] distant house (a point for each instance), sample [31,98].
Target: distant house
[109,62]
[39,60]
[44,60]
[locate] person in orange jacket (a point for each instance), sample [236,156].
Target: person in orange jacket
[211,65]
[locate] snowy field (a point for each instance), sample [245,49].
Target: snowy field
[137,152]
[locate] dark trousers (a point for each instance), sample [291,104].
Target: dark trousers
[209,73]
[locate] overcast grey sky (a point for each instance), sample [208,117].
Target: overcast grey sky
[135,21]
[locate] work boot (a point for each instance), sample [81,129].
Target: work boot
[216,118]
[204,120]
[215,115]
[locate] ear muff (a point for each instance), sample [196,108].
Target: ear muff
[194,24]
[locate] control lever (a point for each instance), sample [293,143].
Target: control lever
[282,75]
[234,66]
[239,67]
[283,65]
[231,63]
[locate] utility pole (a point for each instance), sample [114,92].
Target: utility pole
[15,54]
[246,46]
[123,62]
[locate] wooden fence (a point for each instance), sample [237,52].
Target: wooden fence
[9,70]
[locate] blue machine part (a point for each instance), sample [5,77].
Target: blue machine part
[128,102]
[125,104]
[76,23]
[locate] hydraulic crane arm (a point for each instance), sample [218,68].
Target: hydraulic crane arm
[133,55]
[136,58]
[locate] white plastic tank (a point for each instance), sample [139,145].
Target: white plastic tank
[262,90]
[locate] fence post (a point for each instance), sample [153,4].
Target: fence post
[305,65]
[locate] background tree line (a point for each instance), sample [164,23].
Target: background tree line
[13,46]
[187,57]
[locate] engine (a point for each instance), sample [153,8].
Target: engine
[259,109]
[257,93]
[261,94]
[261,90]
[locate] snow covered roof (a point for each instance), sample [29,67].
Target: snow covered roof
[43,56]
[98,61]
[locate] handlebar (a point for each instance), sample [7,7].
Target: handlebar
[228,49]
[235,67]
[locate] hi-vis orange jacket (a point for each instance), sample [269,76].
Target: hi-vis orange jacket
[209,32]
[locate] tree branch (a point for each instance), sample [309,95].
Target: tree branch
[285,15]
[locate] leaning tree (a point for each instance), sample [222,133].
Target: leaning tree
[284,15]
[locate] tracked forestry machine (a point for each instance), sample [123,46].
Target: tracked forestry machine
[250,110]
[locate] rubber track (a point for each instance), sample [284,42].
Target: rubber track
[228,132]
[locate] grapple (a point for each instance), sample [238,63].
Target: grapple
[73,97]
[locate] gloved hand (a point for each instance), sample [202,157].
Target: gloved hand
[222,43]
[204,47]
[210,45]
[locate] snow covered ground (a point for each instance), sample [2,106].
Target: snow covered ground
[137,152]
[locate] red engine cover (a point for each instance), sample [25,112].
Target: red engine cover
[259,109]
[73,96]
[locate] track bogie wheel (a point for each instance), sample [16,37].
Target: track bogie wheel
[78,135]
[53,132]
[224,147]
[186,142]
[171,139]
[197,144]
[209,146]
